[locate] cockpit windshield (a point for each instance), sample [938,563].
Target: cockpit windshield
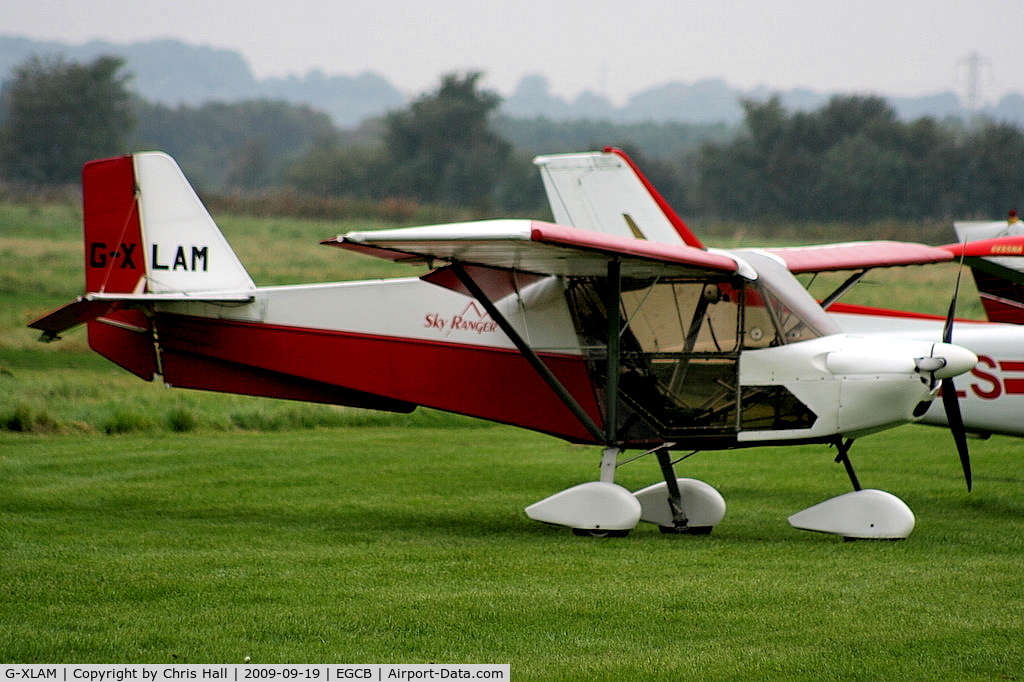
[722,316]
[778,308]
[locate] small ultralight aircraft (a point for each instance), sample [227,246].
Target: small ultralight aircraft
[586,334]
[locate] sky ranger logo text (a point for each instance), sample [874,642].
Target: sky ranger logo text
[471,319]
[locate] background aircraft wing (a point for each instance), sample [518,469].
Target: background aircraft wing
[605,192]
[1010,248]
[858,256]
[536,247]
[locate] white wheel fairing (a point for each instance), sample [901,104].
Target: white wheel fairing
[703,506]
[597,505]
[862,514]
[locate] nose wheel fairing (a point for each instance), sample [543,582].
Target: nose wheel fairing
[861,514]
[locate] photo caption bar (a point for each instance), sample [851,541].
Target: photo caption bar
[380,672]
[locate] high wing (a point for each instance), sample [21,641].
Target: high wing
[605,192]
[1002,256]
[536,247]
[858,256]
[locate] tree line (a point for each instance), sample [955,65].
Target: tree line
[852,159]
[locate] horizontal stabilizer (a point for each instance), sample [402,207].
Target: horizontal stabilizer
[71,315]
[92,306]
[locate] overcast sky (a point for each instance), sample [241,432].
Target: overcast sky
[612,47]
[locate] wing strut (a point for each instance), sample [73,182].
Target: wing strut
[614,332]
[560,390]
[842,289]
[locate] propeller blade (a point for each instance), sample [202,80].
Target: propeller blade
[950,403]
[947,329]
[956,424]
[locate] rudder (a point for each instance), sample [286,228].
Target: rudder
[111,227]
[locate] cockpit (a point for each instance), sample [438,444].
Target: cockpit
[679,347]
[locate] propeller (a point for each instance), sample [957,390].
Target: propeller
[950,402]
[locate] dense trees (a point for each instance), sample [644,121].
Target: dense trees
[57,115]
[853,159]
[241,146]
[442,149]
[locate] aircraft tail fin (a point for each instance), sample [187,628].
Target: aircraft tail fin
[148,238]
[147,232]
[999,272]
[605,192]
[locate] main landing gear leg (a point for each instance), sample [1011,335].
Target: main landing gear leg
[675,498]
[680,506]
[844,456]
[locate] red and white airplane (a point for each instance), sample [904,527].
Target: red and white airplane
[614,328]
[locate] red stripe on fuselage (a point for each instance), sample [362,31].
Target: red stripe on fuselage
[491,383]
[1012,386]
[208,374]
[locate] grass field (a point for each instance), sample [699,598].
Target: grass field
[140,524]
[391,544]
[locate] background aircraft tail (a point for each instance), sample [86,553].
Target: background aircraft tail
[605,192]
[999,274]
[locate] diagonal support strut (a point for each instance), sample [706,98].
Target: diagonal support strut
[535,361]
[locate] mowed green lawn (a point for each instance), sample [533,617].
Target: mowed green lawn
[409,544]
[139,524]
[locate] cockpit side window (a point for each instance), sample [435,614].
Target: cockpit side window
[679,352]
[684,317]
[680,344]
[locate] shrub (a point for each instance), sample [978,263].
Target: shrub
[27,419]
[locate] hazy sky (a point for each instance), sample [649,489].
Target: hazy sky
[614,47]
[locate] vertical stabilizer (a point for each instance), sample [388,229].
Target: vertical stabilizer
[146,231]
[605,192]
[148,238]
[184,249]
